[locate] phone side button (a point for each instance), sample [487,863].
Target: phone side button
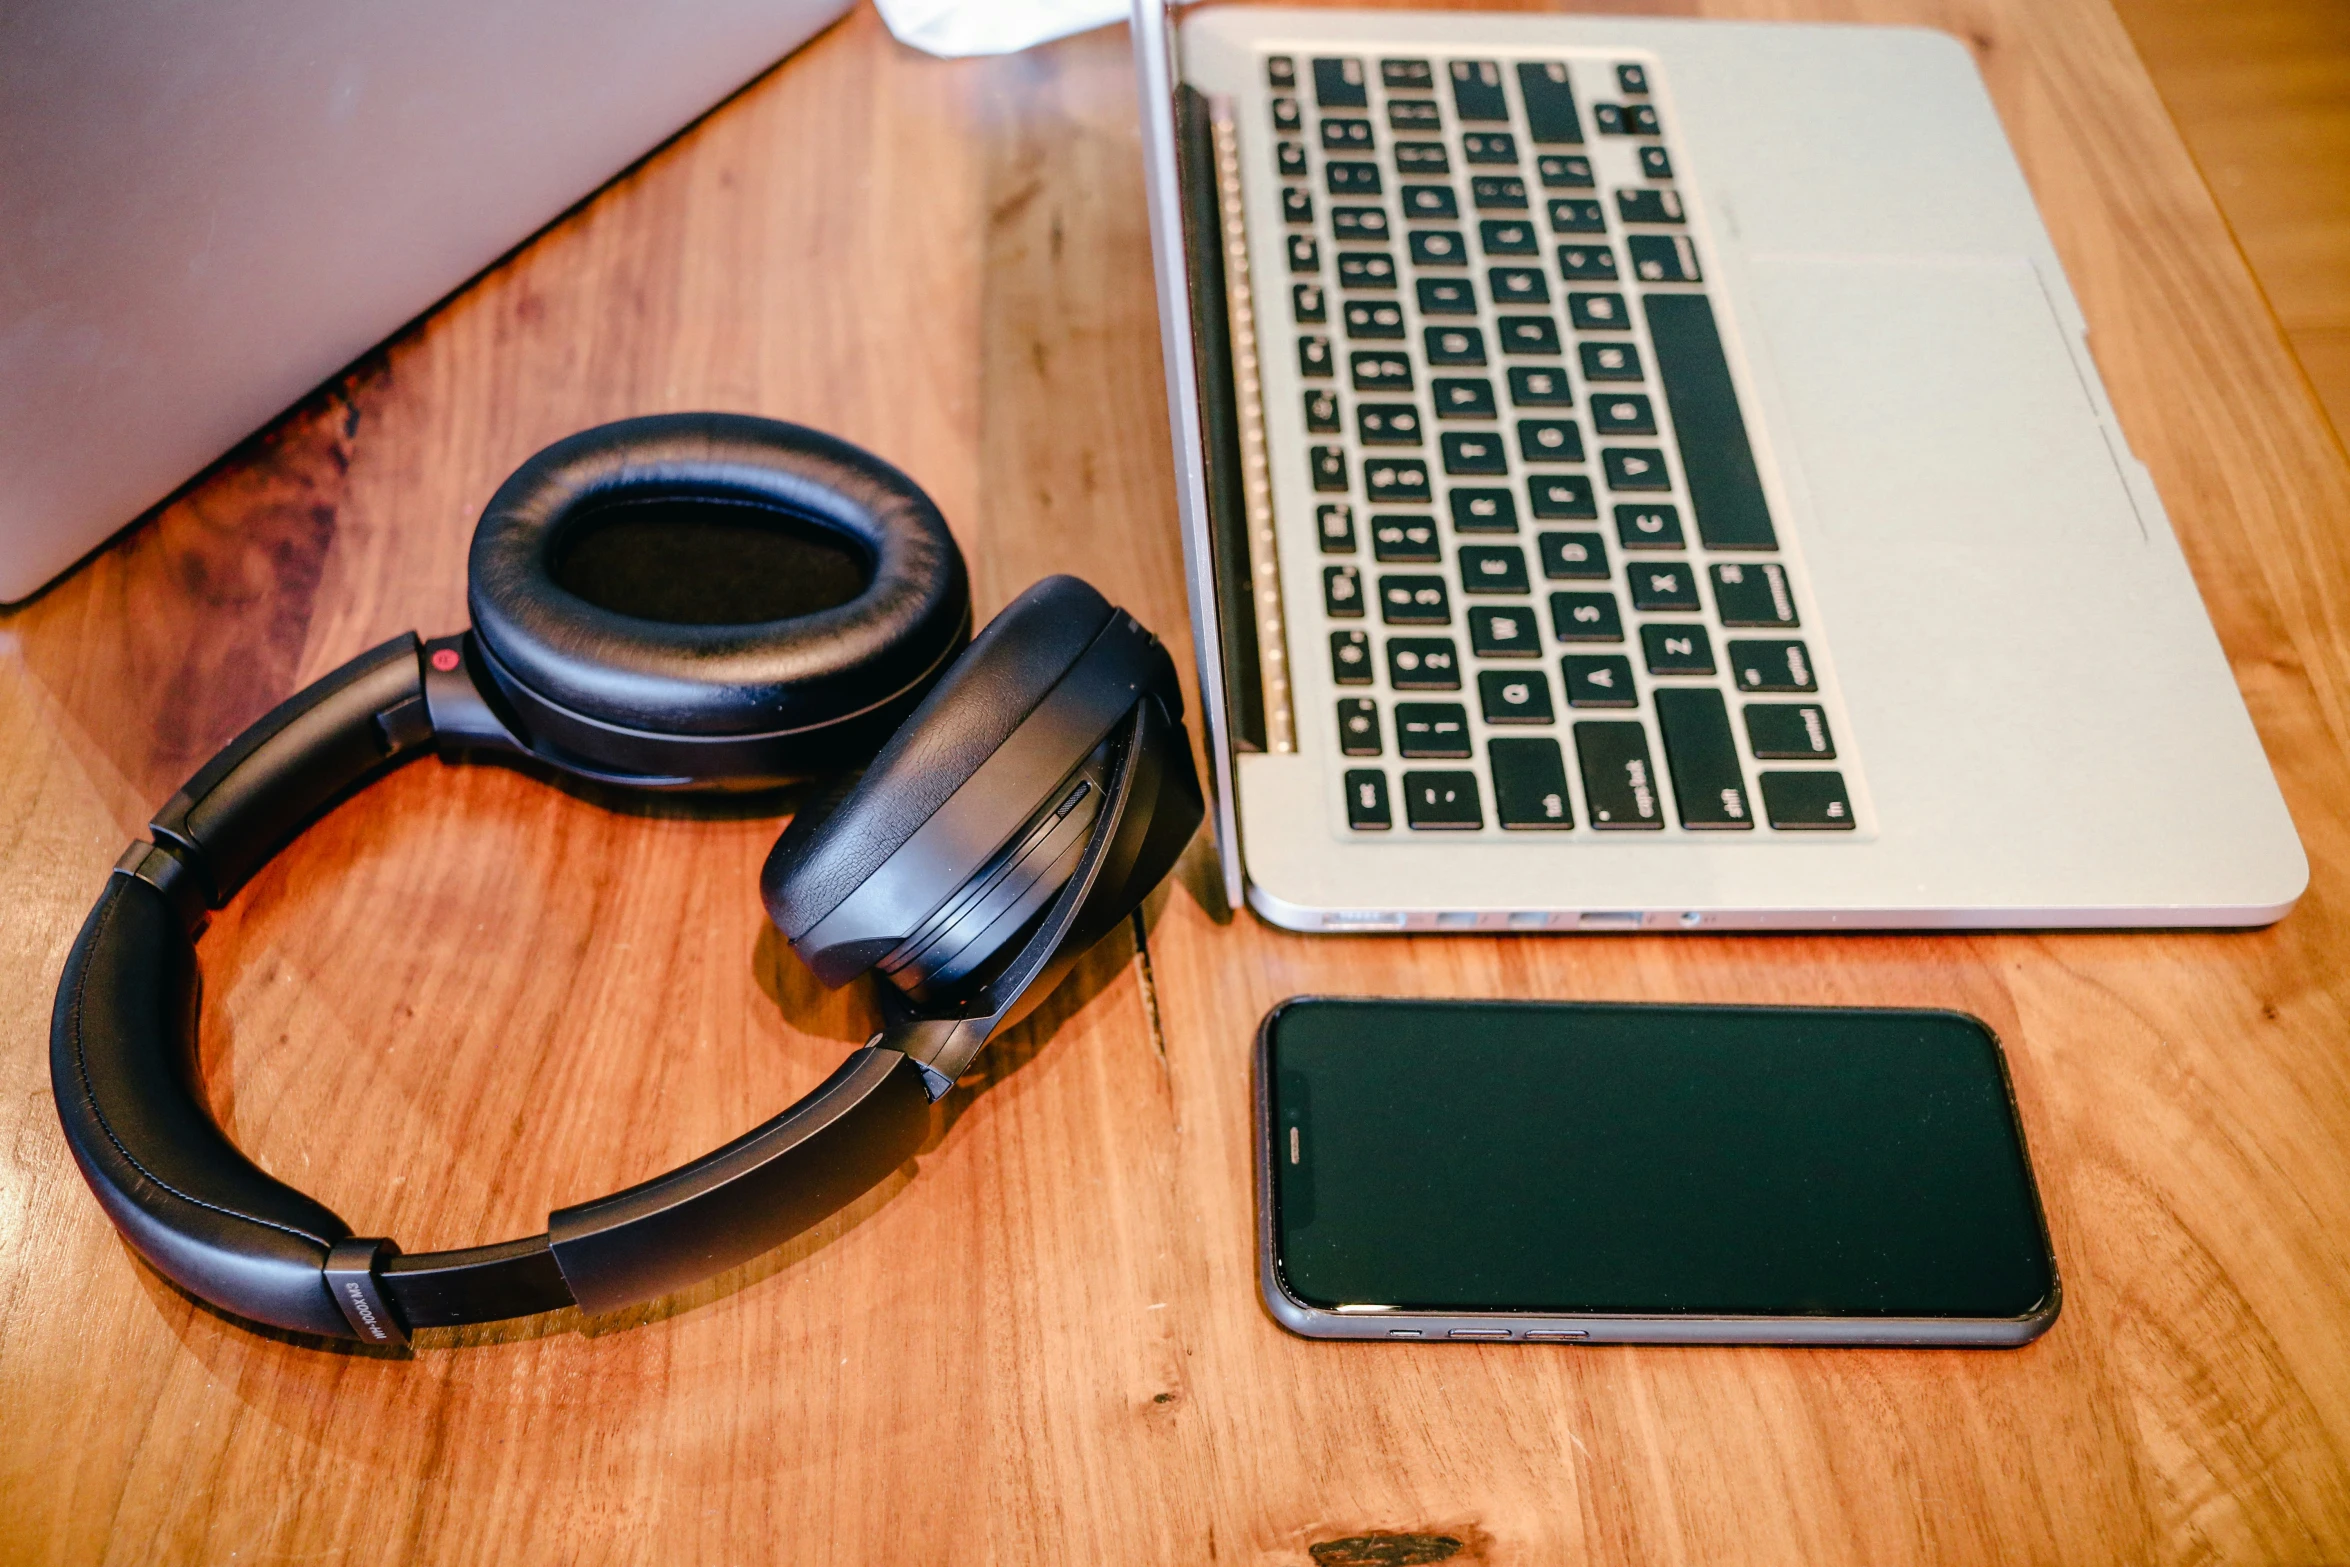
[1480,1333]
[1556,1336]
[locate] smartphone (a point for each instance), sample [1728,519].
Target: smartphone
[1572,1172]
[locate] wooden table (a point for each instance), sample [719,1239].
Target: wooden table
[466,998]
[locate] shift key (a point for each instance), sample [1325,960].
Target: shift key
[1707,784]
[1619,781]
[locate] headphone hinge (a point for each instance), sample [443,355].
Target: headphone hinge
[351,1279]
[166,868]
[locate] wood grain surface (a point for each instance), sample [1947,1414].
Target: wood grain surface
[465,998]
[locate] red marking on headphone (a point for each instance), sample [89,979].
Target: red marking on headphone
[444,659]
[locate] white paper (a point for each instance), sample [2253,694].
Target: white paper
[960,27]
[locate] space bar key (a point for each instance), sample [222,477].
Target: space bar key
[1724,489]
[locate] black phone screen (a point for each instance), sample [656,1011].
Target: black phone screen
[1648,1160]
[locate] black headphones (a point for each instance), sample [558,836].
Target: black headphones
[682,602]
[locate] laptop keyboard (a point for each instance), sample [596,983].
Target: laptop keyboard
[1552,588]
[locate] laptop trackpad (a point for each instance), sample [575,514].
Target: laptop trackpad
[1934,401]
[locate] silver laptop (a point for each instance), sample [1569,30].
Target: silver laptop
[1652,475]
[206,210]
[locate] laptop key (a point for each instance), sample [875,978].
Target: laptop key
[1304,254]
[1772,666]
[1373,320]
[1666,587]
[1566,497]
[1569,557]
[1529,784]
[1358,726]
[1366,800]
[1649,528]
[1334,524]
[1747,595]
[1498,192]
[1655,164]
[1345,135]
[1454,345]
[1290,157]
[1622,413]
[1446,296]
[1339,84]
[1676,648]
[1387,424]
[1464,398]
[1598,313]
[1438,248]
[1396,480]
[1599,680]
[1348,177]
[1359,225]
[1309,304]
[1549,440]
[1423,664]
[1550,102]
[1789,732]
[1708,786]
[1467,453]
[1365,269]
[1528,334]
[1285,114]
[1430,203]
[1407,75]
[1350,658]
[1407,541]
[1518,286]
[1328,464]
[1371,372]
[1724,488]
[1493,568]
[1635,468]
[1609,361]
[1632,81]
[1508,237]
[1413,601]
[1650,206]
[1664,258]
[1411,114]
[1476,92]
[1564,171]
[1640,119]
[1321,411]
[1442,801]
[1297,204]
[1280,71]
[1807,802]
[1342,592]
[1489,147]
[1431,730]
[1497,631]
[1539,386]
[1619,781]
[1421,159]
[1514,696]
[1484,511]
[1582,263]
[1586,617]
[1577,215]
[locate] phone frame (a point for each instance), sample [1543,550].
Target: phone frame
[1398,1325]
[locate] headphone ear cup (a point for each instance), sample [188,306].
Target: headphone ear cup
[1009,670]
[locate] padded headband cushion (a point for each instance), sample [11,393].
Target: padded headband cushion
[831,847]
[683,524]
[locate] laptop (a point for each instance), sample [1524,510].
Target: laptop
[1651,475]
[210,209]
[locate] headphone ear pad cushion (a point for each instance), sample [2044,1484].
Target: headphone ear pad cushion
[827,853]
